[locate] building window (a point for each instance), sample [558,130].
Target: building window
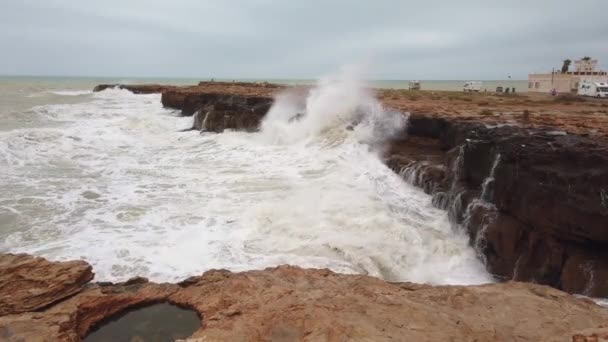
[530,85]
[537,85]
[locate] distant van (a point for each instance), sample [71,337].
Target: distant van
[595,89]
[472,86]
[414,85]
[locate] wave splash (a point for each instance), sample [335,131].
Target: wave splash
[338,103]
[113,181]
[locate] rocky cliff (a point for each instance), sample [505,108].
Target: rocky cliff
[288,303]
[216,112]
[533,200]
[189,100]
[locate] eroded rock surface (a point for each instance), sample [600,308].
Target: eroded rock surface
[543,217]
[28,283]
[289,303]
[191,99]
[219,112]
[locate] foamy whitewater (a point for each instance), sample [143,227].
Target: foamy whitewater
[107,177]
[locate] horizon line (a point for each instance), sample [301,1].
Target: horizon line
[244,78]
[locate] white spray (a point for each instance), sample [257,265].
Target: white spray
[338,103]
[118,185]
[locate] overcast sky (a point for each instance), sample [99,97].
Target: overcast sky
[398,39]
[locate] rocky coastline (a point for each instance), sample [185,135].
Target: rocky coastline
[530,190]
[531,199]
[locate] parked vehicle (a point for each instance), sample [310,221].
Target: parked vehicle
[472,86]
[595,89]
[414,85]
[499,89]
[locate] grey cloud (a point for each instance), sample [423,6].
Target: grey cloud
[296,39]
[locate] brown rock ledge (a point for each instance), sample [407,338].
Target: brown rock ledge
[137,88]
[28,283]
[288,303]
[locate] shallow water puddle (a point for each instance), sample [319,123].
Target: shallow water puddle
[155,323]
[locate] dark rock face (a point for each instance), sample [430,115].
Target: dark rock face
[217,112]
[173,99]
[224,105]
[544,212]
[137,88]
[586,269]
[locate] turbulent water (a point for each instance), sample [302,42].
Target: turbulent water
[108,177]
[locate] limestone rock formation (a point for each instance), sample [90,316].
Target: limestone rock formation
[543,218]
[136,88]
[219,112]
[288,303]
[28,283]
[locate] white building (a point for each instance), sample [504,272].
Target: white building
[584,70]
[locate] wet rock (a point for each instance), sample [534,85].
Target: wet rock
[92,195]
[585,271]
[547,193]
[505,238]
[28,283]
[310,305]
[541,259]
[102,87]
[136,88]
[218,113]
[173,99]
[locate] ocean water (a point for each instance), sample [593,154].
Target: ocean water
[109,178]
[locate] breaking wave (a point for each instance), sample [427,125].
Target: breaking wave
[113,181]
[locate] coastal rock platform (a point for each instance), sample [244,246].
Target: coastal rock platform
[288,303]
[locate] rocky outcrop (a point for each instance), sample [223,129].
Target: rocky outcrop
[217,106]
[289,303]
[137,88]
[248,85]
[28,283]
[219,112]
[173,99]
[532,199]
[191,99]
[225,105]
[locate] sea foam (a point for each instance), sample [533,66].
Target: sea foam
[113,181]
